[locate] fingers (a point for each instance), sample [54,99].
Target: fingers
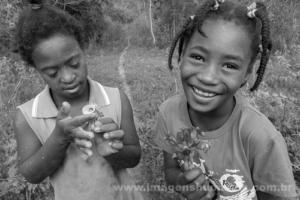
[80,133]
[81,143]
[96,126]
[106,120]
[81,120]
[114,135]
[109,144]
[102,128]
[106,148]
[189,176]
[117,145]
[64,110]
[198,189]
[84,146]
[88,152]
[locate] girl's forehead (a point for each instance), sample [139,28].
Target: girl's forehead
[54,50]
[222,36]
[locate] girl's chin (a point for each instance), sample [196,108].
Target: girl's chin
[201,108]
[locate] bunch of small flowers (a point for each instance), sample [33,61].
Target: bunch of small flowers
[187,146]
[93,125]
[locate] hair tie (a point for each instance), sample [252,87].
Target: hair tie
[251,10]
[36,6]
[217,4]
[260,48]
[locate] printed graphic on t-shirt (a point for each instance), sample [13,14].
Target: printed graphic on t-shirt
[234,187]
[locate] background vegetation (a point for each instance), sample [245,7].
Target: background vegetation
[113,24]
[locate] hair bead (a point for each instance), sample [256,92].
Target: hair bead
[36,4]
[251,10]
[217,4]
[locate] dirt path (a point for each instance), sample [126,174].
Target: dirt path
[122,73]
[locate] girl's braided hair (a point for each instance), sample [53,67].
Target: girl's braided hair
[39,21]
[257,26]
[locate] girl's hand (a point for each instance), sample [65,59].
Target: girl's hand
[193,185]
[108,136]
[70,129]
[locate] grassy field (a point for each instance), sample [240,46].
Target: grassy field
[150,83]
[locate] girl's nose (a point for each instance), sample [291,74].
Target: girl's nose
[67,76]
[209,75]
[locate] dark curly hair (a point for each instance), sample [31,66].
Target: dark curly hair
[257,27]
[39,21]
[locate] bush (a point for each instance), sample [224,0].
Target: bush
[139,31]
[113,36]
[18,84]
[90,14]
[8,17]
[284,16]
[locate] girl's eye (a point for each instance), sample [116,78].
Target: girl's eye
[74,65]
[197,57]
[230,66]
[52,74]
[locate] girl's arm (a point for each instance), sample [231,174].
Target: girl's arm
[271,169]
[130,154]
[36,161]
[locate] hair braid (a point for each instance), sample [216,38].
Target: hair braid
[202,12]
[189,26]
[261,14]
[174,43]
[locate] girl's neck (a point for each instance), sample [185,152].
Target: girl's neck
[214,119]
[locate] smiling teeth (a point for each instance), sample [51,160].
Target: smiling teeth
[205,94]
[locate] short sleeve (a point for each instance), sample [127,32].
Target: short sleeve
[270,164]
[160,133]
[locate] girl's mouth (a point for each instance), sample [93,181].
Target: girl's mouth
[72,89]
[202,93]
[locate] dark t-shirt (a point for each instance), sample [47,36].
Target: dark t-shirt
[246,153]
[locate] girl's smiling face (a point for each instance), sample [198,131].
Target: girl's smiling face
[60,61]
[215,65]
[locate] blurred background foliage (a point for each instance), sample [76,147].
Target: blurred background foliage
[113,24]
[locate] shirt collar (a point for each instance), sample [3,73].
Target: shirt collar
[44,107]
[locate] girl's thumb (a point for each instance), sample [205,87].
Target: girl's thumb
[64,110]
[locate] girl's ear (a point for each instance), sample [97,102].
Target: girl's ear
[243,84]
[180,60]
[247,76]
